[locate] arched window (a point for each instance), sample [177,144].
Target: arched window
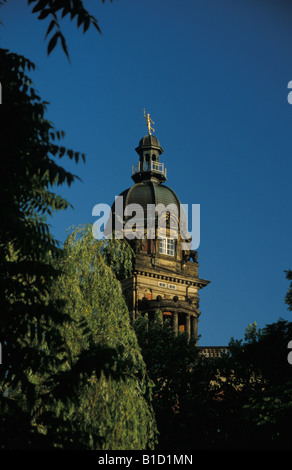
[147,161]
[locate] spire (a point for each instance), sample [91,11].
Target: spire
[149,151]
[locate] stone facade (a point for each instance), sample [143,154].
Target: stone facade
[165,277]
[161,283]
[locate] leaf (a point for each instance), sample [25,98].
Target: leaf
[94,22]
[52,24]
[70,153]
[86,24]
[53,41]
[44,14]
[59,5]
[62,151]
[40,6]
[65,11]
[80,19]
[64,46]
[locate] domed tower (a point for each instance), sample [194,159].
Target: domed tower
[165,276]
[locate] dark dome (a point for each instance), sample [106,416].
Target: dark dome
[147,192]
[150,192]
[149,141]
[143,193]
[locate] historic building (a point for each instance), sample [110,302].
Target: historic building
[165,277]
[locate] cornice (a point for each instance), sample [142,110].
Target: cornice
[172,278]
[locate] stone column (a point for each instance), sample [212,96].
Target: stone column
[188,325]
[195,329]
[175,322]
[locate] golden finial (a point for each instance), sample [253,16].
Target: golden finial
[149,121]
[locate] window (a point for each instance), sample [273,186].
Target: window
[161,284]
[167,246]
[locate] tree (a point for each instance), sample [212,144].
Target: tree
[256,386]
[29,175]
[239,401]
[171,361]
[113,410]
[35,352]
[52,10]
[30,338]
[288,298]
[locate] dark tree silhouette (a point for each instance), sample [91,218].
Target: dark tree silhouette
[54,11]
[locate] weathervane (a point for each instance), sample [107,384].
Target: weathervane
[149,121]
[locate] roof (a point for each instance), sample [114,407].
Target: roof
[143,193]
[149,141]
[150,192]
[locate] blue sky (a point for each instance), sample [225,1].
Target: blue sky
[213,75]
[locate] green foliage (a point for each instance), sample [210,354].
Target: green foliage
[72,374]
[27,250]
[113,409]
[256,385]
[252,333]
[166,355]
[288,298]
[170,361]
[240,401]
[119,256]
